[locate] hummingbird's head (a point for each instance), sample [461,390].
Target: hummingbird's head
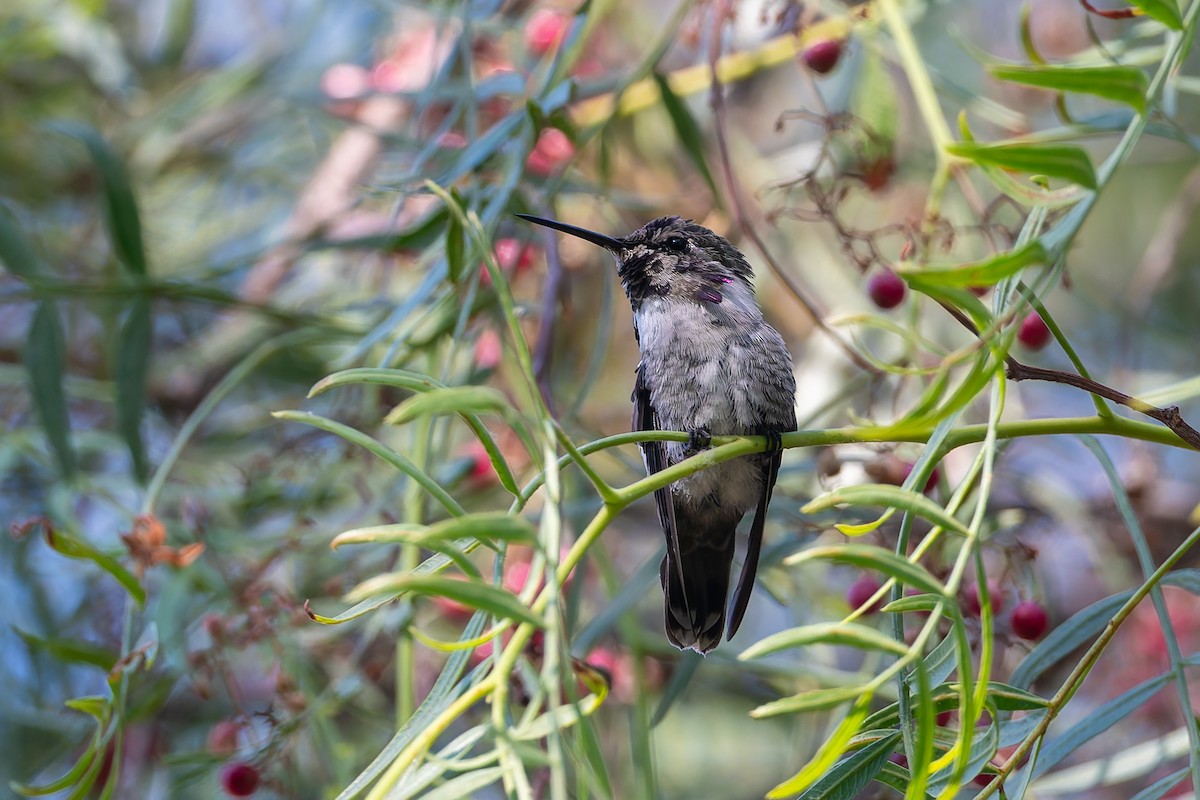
[668,257]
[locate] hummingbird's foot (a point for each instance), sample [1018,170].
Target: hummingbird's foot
[774,441]
[698,439]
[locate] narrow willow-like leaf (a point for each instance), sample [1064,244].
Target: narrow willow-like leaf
[876,558]
[1097,722]
[379,449]
[1112,82]
[16,255]
[852,774]
[1165,11]
[689,662]
[487,526]
[866,527]
[815,700]
[1064,161]
[878,494]
[71,651]
[69,546]
[1160,787]
[121,213]
[914,602]
[451,400]
[832,633]
[558,718]
[687,131]
[465,785]
[980,273]
[496,601]
[828,753]
[455,246]
[417,382]
[133,364]
[45,361]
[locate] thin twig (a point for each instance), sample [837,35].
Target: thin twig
[1016,371]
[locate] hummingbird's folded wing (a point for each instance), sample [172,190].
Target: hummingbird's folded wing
[655,456]
[741,597]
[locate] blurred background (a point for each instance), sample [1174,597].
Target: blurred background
[209,205]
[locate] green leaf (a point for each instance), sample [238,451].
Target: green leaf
[876,558]
[455,245]
[687,130]
[71,651]
[827,754]
[980,273]
[1165,11]
[492,599]
[451,400]
[45,361]
[1097,722]
[833,633]
[69,546]
[1054,160]
[15,252]
[688,663]
[852,774]
[488,526]
[465,785]
[815,700]
[878,494]
[96,706]
[121,214]
[133,363]
[1122,84]
[1160,787]
[916,602]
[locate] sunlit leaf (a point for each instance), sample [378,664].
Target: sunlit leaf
[1064,161]
[488,526]
[852,774]
[1165,11]
[828,753]
[847,634]
[877,494]
[980,273]
[1112,82]
[451,400]
[815,700]
[485,597]
[875,558]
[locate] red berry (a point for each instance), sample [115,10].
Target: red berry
[861,591]
[1034,333]
[971,600]
[544,30]
[984,778]
[239,780]
[1029,620]
[886,289]
[943,719]
[899,759]
[821,57]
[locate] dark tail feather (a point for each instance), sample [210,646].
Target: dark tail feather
[695,608]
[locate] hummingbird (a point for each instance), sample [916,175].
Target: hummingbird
[710,365]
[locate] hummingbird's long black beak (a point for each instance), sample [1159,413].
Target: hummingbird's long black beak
[607,242]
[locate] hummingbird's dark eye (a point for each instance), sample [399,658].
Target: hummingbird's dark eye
[677,243]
